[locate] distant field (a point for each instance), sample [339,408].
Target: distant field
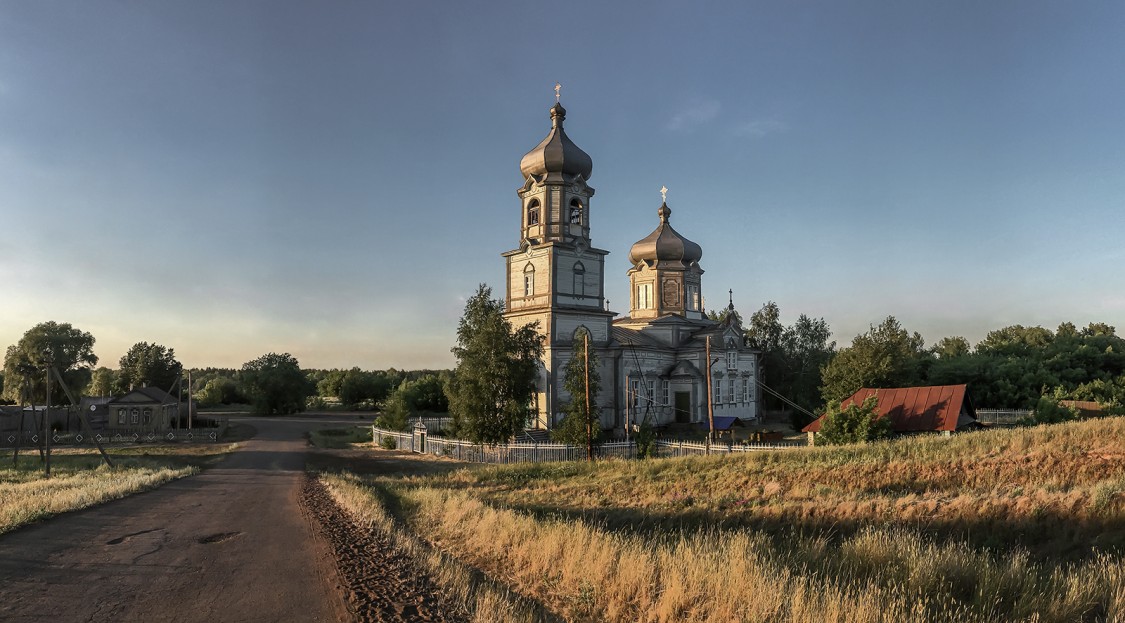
[1009,525]
[80,479]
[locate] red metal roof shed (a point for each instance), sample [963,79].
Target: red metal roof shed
[915,409]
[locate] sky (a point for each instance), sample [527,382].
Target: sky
[333,179]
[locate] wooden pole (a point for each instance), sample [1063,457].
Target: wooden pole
[628,409]
[47,424]
[586,367]
[710,401]
[189,399]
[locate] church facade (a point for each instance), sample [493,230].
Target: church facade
[653,361]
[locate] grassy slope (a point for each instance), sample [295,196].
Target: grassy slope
[1000,525]
[79,479]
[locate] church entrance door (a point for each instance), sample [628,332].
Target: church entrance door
[683,407]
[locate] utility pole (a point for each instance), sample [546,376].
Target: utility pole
[48,360]
[710,401]
[586,367]
[628,408]
[189,399]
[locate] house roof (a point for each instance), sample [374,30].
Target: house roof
[722,422]
[154,394]
[913,409]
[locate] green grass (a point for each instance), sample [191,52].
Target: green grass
[337,438]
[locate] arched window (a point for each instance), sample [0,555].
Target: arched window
[533,212]
[579,279]
[575,212]
[529,280]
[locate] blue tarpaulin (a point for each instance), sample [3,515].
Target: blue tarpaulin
[722,422]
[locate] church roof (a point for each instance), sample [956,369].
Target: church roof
[556,153]
[665,244]
[633,337]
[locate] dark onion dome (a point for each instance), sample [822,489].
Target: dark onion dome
[557,153]
[665,244]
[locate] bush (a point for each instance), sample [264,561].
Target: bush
[1049,411]
[854,423]
[388,443]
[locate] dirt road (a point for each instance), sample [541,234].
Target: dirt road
[232,544]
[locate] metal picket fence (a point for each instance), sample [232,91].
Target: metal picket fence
[1002,417]
[531,452]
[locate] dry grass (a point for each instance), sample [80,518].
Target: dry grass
[79,479]
[1015,525]
[487,601]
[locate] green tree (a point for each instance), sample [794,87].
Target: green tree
[221,390]
[148,365]
[497,367]
[949,347]
[1016,340]
[885,356]
[275,384]
[329,386]
[580,423]
[855,423]
[71,349]
[396,411]
[102,382]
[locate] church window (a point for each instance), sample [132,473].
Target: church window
[634,392]
[665,389]
[718,391]
[575,212]
[732,359]
[644,296]
[731,396]
[533,212]
[529,280]
[579,279]
[692,301]
[746,390]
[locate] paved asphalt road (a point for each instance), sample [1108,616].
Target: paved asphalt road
[231,544]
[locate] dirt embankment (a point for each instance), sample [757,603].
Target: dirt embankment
[380,584]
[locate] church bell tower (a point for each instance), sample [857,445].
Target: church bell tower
[555,277]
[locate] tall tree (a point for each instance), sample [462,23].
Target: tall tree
[949,347]
[492,389]
[71,349]
[102,382]
[884,356]
[148,365]
[580,421]
[792,356]
[276,385]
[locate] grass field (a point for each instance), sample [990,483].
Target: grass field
[340,437]
[1009,525]
[80,479]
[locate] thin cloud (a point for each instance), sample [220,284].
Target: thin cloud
[761,127]
[694,115]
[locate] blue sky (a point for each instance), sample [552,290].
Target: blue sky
[332,179]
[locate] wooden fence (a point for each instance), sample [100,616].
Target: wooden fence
[532,452]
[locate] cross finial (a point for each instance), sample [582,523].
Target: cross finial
[664,193]
[558,90]
[731,292]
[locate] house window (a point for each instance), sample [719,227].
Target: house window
[692,302]
[718,391]
[148,416]
[533,212]
[575,212]
[665,388]
[579,279]
[731,396]
[732,359]
[122,415]
[529,280]
[644,296]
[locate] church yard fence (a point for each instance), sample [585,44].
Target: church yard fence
[30,439]
[542,452]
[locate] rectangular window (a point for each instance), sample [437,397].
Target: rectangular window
[731,396]
[692,302]
[528,284]
[665,388]
[121,413]
[718,391]
[644,296]
[655,389]
[746,390]
[732,359]
[634,392]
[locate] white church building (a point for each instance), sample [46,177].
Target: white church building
[652,361]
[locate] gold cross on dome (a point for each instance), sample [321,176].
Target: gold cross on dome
[558,88]
[664,193]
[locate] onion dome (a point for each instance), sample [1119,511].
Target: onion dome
[557,153]
[665,244]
